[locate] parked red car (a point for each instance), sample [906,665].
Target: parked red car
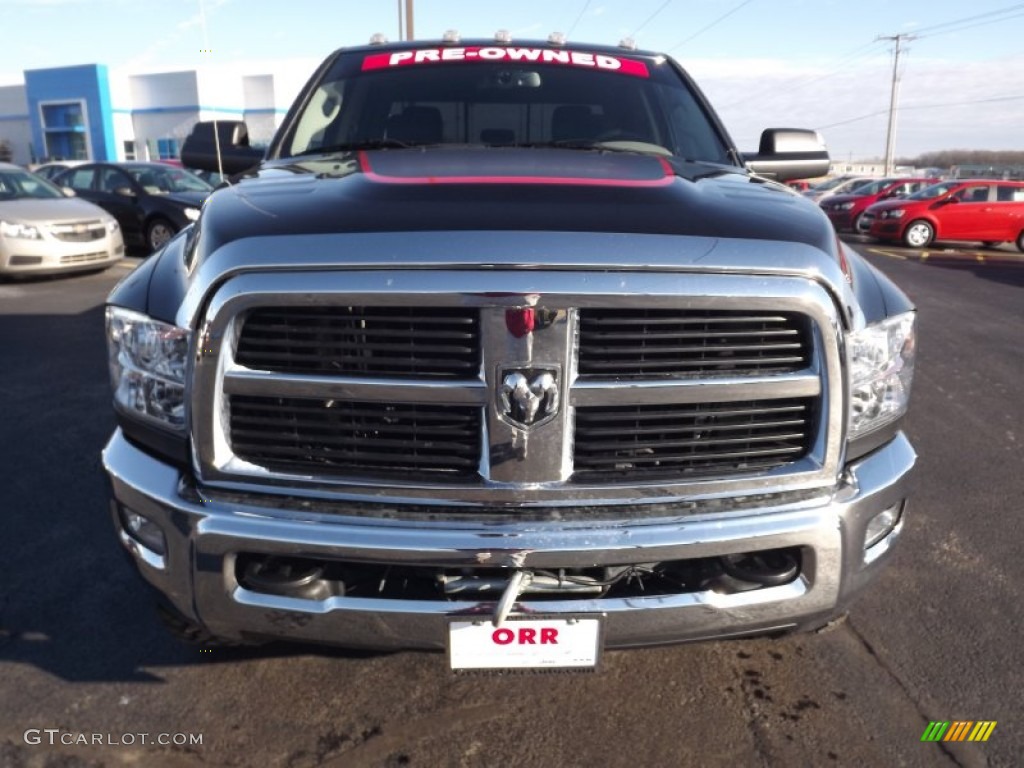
[979,209]
[845,210]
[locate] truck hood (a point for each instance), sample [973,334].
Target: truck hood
[488,209]
[481,188]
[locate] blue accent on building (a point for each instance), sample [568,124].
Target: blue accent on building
[66,105]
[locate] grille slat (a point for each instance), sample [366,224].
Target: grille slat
[82,258]
[672,430]
[623,443]
[397,342]
[357,439]
[642,342]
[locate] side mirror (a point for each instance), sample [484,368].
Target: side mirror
[68,192]
[227,138]
[789,153]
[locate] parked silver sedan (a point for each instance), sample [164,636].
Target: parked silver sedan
[44,230]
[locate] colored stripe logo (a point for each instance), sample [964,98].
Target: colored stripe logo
[958,730]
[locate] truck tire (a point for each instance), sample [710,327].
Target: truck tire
[1020,242]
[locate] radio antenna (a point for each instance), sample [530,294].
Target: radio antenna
[216,130]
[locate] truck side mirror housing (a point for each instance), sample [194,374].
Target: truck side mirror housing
[229,137]
[789,153]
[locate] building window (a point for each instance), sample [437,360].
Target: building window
[64,127]
[58,116]
[167,149]
[129,150]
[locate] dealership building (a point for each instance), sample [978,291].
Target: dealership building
[87,113]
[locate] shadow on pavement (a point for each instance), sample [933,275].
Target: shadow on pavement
[70,604]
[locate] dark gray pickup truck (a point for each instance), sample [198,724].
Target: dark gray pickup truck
[506,350]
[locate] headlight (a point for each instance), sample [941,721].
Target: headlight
[112,226]
[895,213]
[191,214]
[844,206]
[148,362]
[23,231]
[881,360]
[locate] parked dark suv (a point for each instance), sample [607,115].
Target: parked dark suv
[151,201]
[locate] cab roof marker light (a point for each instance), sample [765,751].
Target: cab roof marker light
[556,38]
[378,38]
[451,36]
[503,36]
[628,43]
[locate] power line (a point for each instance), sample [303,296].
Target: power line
[928,30]
[704,29]
[972,26]
[841,66]
[651,18]
[941,105]
[585,6]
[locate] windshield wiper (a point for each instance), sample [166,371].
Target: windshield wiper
[611,144]
[356,146]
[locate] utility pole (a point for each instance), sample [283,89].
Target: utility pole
[890,135]
[409,34]
[401,22]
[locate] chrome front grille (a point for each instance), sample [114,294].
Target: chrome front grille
[394,385]
[652,342]
[378,341]
[646,442]
[79,232]
[371,440]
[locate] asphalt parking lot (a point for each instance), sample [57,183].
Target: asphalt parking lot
[937,638]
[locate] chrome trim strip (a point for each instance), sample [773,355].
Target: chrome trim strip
[516,250]
[717,390]
[242,381]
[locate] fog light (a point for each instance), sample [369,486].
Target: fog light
[144,531]
[882,524]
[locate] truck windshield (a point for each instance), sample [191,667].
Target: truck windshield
[503,97]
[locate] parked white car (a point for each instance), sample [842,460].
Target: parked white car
[44,230]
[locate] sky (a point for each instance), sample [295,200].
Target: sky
[762,63]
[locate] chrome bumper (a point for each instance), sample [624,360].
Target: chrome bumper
[197,572]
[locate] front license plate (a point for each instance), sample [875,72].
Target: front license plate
[525,643]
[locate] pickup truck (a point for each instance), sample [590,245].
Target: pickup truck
[505,350]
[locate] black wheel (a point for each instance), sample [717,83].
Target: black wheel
[856,225]
[1020,242]
[158,232]
[918,234]
[186,630]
